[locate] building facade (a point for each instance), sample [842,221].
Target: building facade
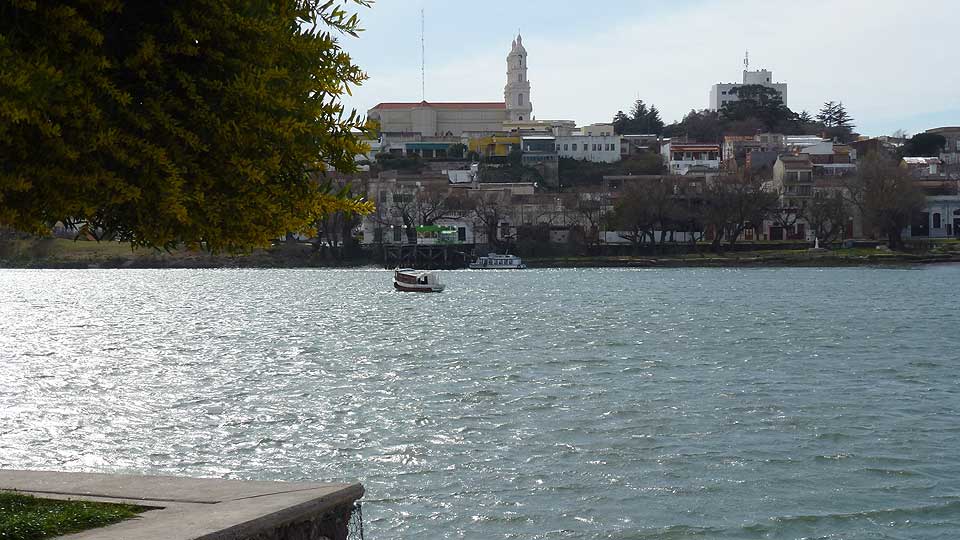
[458,119]
[595,148]
[516,94]
[721,93]
[683,157]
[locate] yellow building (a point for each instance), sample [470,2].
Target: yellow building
[495,145]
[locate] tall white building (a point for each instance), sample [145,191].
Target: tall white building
[720,92]
[516,94]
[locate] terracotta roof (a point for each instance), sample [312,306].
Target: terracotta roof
[694,147]
[440,105]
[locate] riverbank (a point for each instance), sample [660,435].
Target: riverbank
[785,258]
[63,253]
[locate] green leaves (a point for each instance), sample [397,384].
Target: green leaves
[196,123]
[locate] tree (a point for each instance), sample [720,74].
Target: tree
[828,215]
[924,145]
[733,203]
[827,114]
[760,102]
[885,195]
[646,207]
[200,123]
[642,120]
[837,123]
[488,214]
[620,122]
[702,126]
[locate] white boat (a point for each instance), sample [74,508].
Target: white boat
[410,280]
[494,261]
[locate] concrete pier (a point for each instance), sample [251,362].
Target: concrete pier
[201,509]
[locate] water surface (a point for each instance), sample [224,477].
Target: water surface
[588,404]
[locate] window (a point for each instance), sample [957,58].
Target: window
[558,148]
[520,98]
[565,147]
[521,119]
[574,147]
[396,234]
[461,234]
[793,176]
[936,220]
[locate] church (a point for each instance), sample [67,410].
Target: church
[462,119]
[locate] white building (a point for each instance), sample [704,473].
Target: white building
[596,142]
[454,119]
[681,157]
[516,94]
[721,93]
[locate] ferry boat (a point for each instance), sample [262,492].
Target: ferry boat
[410,280]
[494,261]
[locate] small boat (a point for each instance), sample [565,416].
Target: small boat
[493,261]
[410,280]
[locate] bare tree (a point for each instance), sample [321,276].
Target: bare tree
[885,195]
[828,215]
[734,203]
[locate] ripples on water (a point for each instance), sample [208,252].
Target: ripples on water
[625,404]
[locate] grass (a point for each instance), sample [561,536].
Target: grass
[24,517]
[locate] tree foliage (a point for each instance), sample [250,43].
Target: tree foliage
[642,120]
[759,102]
[837,123]
[160,123]
[702,126]
[924,145]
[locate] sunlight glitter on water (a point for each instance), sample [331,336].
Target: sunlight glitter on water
[538,404]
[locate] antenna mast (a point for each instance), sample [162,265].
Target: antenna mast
[746,60]
[423,60]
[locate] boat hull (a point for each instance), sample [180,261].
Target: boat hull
[409,287]
[475,266]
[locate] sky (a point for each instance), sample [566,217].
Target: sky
[894,64]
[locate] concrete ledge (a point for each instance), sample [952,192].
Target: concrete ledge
[201,509]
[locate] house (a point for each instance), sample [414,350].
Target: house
[922,167]
[680,157]
[596,143]
[793,182]
[636,143]
[951,152]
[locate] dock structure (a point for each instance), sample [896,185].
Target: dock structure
[204,509]
[426,257]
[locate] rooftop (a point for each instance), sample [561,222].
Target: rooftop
[921,160]
[443,105]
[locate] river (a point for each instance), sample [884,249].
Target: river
[587,404]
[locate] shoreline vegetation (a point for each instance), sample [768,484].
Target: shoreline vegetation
[25,517]
[53,253]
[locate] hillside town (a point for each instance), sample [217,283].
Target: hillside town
[492,175]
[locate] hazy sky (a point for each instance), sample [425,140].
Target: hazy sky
[893,63]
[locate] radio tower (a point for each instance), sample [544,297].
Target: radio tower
[423,61]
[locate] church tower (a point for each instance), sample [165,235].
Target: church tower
[516,94]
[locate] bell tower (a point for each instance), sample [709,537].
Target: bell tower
[516,94]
